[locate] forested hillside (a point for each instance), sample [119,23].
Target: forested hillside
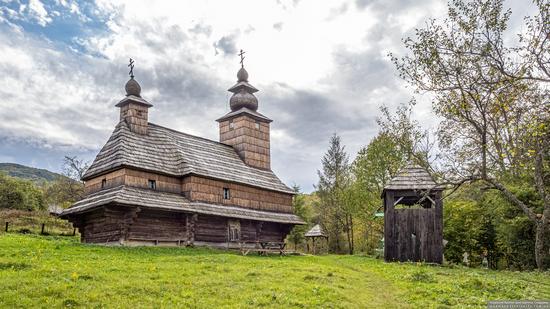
[28,188]
[36,175]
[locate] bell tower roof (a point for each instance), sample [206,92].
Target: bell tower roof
[243,100]
[133,90]
[243,93]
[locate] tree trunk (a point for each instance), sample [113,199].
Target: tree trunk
[484,152]
[352,239]
[347,227]
[540,253]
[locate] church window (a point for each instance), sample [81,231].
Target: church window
[103,183]
[152,184]
[257,125]
[231,125]
[226,194]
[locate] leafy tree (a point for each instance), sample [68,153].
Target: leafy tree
[373,167]
[68,189]
[334,179]
[296,236]
[495,119]
[19,194]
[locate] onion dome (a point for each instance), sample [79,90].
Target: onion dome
[242,75]
[133,88]
[243,99]
[243,96]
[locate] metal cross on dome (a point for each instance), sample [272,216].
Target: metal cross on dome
[131,66]
[242,57]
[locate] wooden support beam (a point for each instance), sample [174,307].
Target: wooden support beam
[398,200]
[191,221]
[127,220]
[259,226]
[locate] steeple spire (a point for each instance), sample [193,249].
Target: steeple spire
[133,108]
[243,96]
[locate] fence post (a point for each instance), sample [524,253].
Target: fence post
[7,223]
[74,231]
[42,230]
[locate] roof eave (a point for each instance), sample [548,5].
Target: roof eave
[235,114]
[133,99]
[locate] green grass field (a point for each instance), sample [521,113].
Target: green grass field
[47,271]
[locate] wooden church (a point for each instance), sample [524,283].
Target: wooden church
[151,185]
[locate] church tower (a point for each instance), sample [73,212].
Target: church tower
[244,128]
[133,108]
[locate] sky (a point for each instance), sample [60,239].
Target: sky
[322,67]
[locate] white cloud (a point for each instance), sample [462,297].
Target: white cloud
[322,69]
[37,11]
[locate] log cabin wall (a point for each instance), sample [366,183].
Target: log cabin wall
[102,225]
[133,178]
[211,191]
[249,230]
[116,224]
[211,229]
[153,226]
[273,232]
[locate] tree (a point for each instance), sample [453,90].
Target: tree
[74,168]
[296,236]
[372,169]
[19,194]
[69,188]
[334,179]
[493,107]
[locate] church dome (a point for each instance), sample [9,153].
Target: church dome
[133,88]
[243,99]
[242,75]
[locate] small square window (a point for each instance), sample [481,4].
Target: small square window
[226,194]
[152,184]
[103,183]
[257,125]
[231,125]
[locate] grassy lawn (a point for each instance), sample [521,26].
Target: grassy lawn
[48,271]
[31,222]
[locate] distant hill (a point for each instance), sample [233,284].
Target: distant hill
[36,175]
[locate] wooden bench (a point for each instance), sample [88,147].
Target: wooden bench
[263,248]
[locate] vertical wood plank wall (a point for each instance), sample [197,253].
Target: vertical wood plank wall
[413,234]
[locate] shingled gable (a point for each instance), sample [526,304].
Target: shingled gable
[174,153]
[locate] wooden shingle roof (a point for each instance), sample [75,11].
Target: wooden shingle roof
[315,231]
[177,154]
[138,197]
[412,177]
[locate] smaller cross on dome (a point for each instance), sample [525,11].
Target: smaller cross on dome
[242,57]
[131,66]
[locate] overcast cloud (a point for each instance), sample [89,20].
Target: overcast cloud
[321,67]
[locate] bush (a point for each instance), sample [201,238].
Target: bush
[20,194]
